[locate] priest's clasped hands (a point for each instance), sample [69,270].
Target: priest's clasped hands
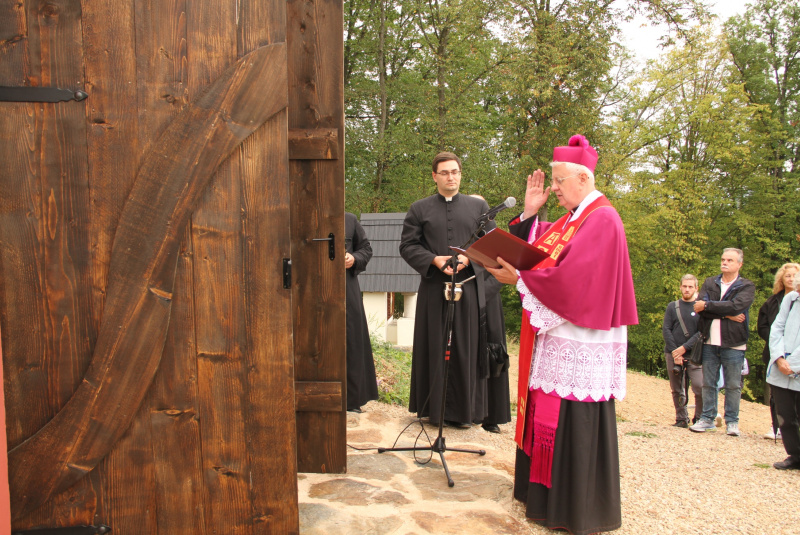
[443,263]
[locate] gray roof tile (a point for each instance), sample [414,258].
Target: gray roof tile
[387,271]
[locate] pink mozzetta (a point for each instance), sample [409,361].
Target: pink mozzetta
[591,284]
[577,151]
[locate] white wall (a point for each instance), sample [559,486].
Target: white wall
[375,309]
[405,325]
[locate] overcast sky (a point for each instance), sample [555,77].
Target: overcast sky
[643,40]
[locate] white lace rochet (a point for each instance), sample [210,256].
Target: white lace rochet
[575,362]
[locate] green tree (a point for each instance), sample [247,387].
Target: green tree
[692,165]
[765,46]
[495,82]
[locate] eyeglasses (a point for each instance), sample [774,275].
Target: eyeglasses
[444,174]
[561,179]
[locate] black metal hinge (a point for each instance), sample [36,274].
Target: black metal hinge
[40,94]
[75,530]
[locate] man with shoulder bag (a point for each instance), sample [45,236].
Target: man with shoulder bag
[682,339]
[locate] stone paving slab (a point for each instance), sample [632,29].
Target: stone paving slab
[392,493]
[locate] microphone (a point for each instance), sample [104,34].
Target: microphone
[492,213]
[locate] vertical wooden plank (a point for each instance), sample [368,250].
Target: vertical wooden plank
[162,91]
[113,144]
[270,419]
[219,307]
[5,498]
[21,315]
[316,101]
[161,65]
[175,415]
[14,49]
[45,205]
[50,329]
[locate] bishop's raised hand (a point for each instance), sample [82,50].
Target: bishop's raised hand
[535,194]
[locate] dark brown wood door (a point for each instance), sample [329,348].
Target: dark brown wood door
[210,440]
[316,133]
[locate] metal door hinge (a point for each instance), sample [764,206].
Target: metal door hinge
[75,530]
[40,94]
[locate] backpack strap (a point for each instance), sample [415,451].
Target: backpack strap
[680,319]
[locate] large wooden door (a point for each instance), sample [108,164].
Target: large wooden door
[210,442]
[316,134]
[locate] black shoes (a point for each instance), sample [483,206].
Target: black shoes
[357,410]
[458,425]
[788,464]
[491,428]
[682,424]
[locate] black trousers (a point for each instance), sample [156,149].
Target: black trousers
[787,406]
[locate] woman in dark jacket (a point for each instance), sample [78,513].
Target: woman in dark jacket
[766,316]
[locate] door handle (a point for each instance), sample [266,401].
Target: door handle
[331,239]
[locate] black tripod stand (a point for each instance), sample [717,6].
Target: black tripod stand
[452,294]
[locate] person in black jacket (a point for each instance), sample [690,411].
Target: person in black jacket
[724,301]
[676,349]
[784,282]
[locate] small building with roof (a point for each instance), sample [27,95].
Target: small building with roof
[387,276]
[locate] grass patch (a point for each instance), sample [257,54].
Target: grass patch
[762,465]
[393,368]
[621,418]
[643,434]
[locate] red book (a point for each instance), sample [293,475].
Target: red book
[497,242]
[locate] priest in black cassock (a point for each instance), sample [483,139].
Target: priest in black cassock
[361,384]
[431,226]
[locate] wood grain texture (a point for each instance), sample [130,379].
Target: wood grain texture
[318,396]
[109,34]
[171,403]
[22,318]
[314,144]
[113,144]
[316,101]
[143,258]
[219,307]
[162,85]
[269,359]
[175,414]
[47,328]
[13,44]
[52,333]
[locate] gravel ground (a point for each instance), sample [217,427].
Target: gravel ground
[676,481]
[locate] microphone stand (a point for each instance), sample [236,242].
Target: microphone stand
[452,294]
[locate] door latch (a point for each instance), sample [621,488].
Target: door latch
[331,245]
[287,273]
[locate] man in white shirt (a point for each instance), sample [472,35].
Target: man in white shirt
[722,300]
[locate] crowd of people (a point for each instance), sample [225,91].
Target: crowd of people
[717,317]
[577,304]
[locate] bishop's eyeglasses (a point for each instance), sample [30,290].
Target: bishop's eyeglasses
[444,174]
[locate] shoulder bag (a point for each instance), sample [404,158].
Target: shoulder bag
[695,354]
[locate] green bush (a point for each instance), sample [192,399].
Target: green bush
[393,368]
